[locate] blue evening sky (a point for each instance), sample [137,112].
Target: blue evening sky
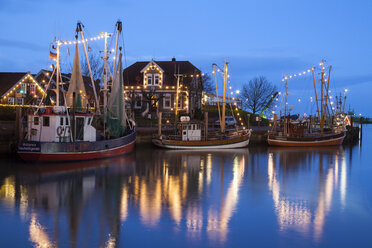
[270,38]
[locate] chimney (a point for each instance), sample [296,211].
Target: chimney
[173,59]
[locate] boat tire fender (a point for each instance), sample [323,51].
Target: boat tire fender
[60,130]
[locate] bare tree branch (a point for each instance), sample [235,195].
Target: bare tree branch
[257,94]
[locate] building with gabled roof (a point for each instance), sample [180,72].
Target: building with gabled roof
[19,89]
[151,87]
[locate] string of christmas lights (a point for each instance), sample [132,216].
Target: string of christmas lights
[97,37]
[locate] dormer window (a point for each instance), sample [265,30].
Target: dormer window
[156,79]
[23,88]
[32,89]
[149,79]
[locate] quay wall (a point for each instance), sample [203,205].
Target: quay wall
[144,135]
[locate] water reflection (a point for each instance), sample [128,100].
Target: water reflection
[302,202]
[88,202]
[192,195]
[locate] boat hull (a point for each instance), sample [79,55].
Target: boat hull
[75,151]
[238,142]
[328,141]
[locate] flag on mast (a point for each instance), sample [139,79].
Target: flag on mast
[52,55]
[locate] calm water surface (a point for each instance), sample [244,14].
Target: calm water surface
[258,197]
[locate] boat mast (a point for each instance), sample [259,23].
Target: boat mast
[285,98]
[322,98]
[177,92]
[58,71]
[105,58]
[79,29]
[224,98]
[218,100]
[316,95]
[327,93]
[118,31]
[285,107]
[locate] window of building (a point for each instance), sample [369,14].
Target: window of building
[36,121]
[138,101]
[11,100]
[66,121]
[149,79]
[61,121]
[167,101]
[38,101]
[45,121]
[23,88]
[20,101]
[156,81]
[32,89]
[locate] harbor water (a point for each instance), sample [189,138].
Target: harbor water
[253,197]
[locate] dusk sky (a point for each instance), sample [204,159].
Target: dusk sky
[259,38]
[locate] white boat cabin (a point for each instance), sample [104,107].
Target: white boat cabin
[54,125]
[191,131]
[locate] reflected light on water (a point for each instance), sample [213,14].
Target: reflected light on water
[294,211]
[185,197]
[38,235]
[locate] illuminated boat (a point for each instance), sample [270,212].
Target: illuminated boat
[195,135]
[301,133]
[74,132]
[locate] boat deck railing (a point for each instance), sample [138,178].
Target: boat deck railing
[210,137]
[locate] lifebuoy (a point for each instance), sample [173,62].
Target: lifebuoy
[60,130]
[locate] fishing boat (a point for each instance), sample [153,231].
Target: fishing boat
[195,134]
[74,130]
[325,130]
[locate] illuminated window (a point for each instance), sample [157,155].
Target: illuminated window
[11,100]
[167,101]
[32,89]
[23,88]
[149,79]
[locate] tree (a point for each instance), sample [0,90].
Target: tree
[257,94]
[208,85]
[96,66]
[151,97]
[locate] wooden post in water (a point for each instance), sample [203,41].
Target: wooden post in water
[206,125]
[159,124]
[18,125]
[274,124]
[360,127]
